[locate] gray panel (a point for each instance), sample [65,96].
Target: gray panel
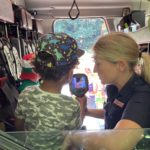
[6,11]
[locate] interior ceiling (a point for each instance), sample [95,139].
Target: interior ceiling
[67,3]
[60,8]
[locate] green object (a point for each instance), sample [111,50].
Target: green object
[27,83]
[126,25]
[27,70]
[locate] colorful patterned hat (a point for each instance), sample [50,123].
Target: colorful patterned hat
[61,47]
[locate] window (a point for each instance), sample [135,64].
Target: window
[86,31]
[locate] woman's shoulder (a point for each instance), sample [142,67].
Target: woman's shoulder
[140,85]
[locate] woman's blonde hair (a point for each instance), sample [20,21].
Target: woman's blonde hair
[120,46]
[145,66]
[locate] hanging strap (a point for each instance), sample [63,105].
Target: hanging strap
[78,11]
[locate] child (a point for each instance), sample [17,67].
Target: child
[44,108]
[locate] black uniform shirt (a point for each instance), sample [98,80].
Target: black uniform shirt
[131,102]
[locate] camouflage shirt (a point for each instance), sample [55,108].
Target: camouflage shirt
[48,115]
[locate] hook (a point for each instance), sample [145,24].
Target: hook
[78,11]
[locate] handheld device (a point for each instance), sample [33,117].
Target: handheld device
[79,84]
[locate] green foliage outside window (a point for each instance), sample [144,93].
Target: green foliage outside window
[84,30]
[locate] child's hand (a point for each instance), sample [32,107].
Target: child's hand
[83,106]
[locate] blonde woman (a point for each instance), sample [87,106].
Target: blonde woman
[128,104]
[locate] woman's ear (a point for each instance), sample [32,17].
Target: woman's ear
[122,65]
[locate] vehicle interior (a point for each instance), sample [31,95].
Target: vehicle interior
[22,22]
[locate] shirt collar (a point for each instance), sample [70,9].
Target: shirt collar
[127,90]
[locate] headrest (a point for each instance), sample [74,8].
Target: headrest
[29,20]
[37,26]
[24,18]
